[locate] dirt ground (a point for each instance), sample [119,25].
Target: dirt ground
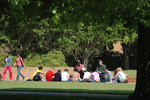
[131,79]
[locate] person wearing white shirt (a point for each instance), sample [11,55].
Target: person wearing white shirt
[65,75]
[86,75]
[120,76]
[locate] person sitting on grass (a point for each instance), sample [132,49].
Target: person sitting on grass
[79,66]
[86,76]
[95,77]
[76,76]
[39,75]
[57,76]
[120,77]
[108,76]
[65,76]
[101,69]
[50,75]
[82,73]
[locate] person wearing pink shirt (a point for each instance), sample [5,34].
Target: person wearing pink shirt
[95,77]
[19,62]
[79,66]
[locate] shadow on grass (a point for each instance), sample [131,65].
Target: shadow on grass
[64,97]
[45,97]
[118,92]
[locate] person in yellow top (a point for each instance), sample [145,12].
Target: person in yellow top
[39,75]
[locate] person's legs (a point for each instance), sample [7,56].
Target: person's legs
[107,79]
[92,80]
[118,78]
[102,74]
[37,78]
[18,72]
[102,79]
[10,73]
[4,74]
[21,74]
[42,77]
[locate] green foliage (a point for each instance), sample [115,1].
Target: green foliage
[144,12]
[118,32]
[52,58]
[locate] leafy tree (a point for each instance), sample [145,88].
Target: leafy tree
[125,35]
[82,42]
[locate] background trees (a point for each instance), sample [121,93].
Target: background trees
[78,28]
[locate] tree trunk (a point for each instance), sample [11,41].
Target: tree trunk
[126,55]
[85,62]
[142,90]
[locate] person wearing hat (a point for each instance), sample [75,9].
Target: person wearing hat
[79,67]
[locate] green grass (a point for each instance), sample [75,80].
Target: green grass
[72,87]
[130,72]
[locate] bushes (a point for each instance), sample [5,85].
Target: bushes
[52,58]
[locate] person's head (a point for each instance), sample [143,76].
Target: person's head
[58,71]
[119,69]
[7,54]
[78,62]
[115,72]
[66,70]
[52,69]
[76,70]
[18,55]
[40,68]
[100,62]
[106,70]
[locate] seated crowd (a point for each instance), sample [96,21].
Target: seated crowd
[80,74]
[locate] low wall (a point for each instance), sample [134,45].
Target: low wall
[29,71]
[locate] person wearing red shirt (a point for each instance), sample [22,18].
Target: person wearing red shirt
[50,75]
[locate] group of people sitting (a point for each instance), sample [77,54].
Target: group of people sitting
[80,74]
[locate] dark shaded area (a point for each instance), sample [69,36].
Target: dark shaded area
[43,97]
[142,91]
[113,60]
[118,92]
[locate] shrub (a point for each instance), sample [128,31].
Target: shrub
[52,58]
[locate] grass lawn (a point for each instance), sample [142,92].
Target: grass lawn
[68,87]
[73,87]
[130,72]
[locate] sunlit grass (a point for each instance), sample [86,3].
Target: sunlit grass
[73,87]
